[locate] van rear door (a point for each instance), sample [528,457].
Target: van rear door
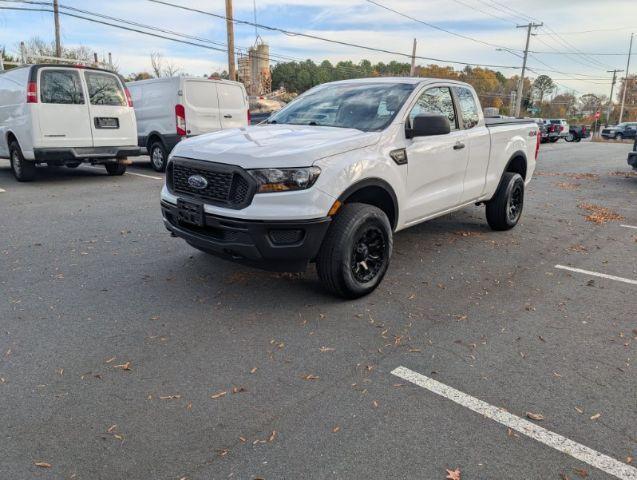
[112,120]
[232,105]
[62,109]
[201,106]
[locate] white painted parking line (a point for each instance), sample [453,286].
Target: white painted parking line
[597,274]
[145,176]
[629,226]
[542,435]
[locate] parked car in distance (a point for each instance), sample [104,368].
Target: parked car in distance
[549,132]
[65,115]
[331,177]
[576,133]
[561,126]
[620,131]
[172,108]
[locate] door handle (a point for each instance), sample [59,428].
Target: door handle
[458,146]
[227,115]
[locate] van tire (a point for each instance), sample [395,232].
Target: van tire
[357,229]
[158,156]
[505,208]
[23,170]
[115,168]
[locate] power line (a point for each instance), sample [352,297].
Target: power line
[324,39]
[436,27]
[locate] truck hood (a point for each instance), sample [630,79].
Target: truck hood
[274,145]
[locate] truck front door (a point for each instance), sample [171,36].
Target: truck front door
[437,164]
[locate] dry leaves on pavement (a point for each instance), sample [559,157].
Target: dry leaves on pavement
[42,464]
[453,474]
[599,215]
[218,395]
[310,377]
[535,416]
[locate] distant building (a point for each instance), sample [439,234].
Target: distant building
[254,70]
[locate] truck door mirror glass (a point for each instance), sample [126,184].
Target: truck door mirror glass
[428,124]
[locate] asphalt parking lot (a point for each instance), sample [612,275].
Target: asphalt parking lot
[126,354]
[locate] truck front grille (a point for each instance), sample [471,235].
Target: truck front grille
[227,185]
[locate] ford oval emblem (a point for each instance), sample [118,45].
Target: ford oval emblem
[198,182]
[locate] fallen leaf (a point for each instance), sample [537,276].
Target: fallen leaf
[596,416]
[43,464]
[110,359]
[272,436]
[581,472]
[310,377]
[579,410]
[123,366]
[111,428]
[238,389]
[336,429]
[243,439]
[189,407]
[170,397]
[326,349]
[375,404]
[629,459]
[535,416]
[223,452]
[253,370]
[219,395]
[453,474]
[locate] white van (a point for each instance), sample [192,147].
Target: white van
[63,115]
[169,109]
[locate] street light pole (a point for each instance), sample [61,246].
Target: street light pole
[630,52]
[518,104]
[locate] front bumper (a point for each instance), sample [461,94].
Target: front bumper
[64,155]
[285,246]
[632,159]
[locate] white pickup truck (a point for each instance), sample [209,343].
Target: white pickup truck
[333,175]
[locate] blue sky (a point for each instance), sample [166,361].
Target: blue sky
[357,21]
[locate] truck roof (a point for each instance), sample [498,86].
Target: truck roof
[405,80]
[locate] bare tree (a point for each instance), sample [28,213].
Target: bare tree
[162,68]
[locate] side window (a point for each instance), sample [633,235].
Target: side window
[468,107]
[61,87]
[104,89]
[435,100]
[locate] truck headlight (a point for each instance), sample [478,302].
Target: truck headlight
[284,179]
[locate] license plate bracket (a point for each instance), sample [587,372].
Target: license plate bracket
[190,212]
[107,122]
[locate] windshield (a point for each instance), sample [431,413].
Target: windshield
[365,106]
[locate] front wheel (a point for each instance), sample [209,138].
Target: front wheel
[570,137]
[356,251]
[158,156]
[115,168]
[505,208]
[23,170]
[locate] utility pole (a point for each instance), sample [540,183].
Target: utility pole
[56,18]
[412,72]
[529,27]
[230,27]
[630,52]
[612,87]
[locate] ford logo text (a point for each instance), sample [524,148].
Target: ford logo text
[198,182]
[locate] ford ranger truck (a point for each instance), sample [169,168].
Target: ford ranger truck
[335,174]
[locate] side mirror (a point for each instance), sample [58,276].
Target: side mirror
[428,124]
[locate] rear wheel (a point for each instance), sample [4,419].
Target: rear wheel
[356,251]
[23,170]
[115,168]
[505,208]
[158,156]
[570,137]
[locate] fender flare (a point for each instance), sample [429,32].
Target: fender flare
[373,182]
[517,154]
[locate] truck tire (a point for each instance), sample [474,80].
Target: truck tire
[115,168]
[23,170]
[505,208]
[158,156]
[355,253]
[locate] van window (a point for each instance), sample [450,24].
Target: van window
[61,87]
[202,94]
[435,100]
[104,89]
[230,97]
[468,107]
